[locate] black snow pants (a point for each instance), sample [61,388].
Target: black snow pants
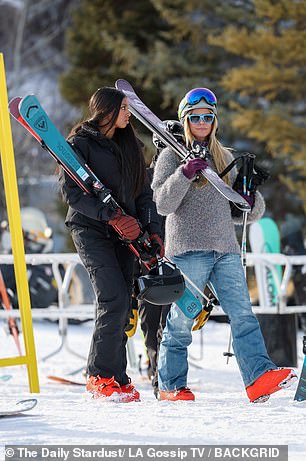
[153,320]
[110,266]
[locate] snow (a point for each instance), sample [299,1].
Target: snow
[220,415]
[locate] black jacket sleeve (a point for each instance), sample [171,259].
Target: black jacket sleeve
[80,201]
[146,209]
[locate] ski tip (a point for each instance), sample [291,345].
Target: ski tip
[120,81]
[123,85]
[28,402]
[28,97]
[14,106]
[15,100]
[25,405]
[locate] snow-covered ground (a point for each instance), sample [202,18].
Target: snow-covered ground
[220,415]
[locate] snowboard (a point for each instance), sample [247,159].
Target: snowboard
[155,125]
[265,238]
[30,114]
[279,330]
[18,408]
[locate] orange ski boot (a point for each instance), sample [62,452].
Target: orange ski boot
[103,387]
[129,393]
[183,393]
[270,382]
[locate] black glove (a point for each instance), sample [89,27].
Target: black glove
[254,178]
[155,248]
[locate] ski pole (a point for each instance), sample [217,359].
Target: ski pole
[228,353]
[247,168]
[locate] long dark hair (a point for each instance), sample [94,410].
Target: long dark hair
[104,107]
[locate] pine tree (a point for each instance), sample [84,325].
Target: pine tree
[160,46]
[268,89]
[103,45]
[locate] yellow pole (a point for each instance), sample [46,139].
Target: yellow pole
[14,219]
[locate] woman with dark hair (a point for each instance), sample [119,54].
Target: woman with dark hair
[107,142]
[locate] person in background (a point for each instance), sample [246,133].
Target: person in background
[153,317]
[107,142]
[200,238]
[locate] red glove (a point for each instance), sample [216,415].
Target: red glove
[157,247]
[125,225]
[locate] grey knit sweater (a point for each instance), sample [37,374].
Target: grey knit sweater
[197,219]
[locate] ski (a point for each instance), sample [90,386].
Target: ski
[18,408]
[30,114]
[62,380]
[37,122]
[155,125]
[300,393]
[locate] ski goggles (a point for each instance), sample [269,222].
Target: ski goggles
[196,118]
[194,96]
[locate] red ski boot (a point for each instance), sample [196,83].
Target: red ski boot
[179,394]
[270,382]
[103,387]
[129,393]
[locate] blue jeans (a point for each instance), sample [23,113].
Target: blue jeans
[226,273]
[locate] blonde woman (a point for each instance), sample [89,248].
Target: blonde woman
[201,240]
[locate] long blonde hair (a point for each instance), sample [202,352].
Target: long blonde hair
[217,150]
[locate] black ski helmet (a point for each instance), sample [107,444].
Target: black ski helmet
[164,284]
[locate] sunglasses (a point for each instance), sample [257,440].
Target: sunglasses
[196,118]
